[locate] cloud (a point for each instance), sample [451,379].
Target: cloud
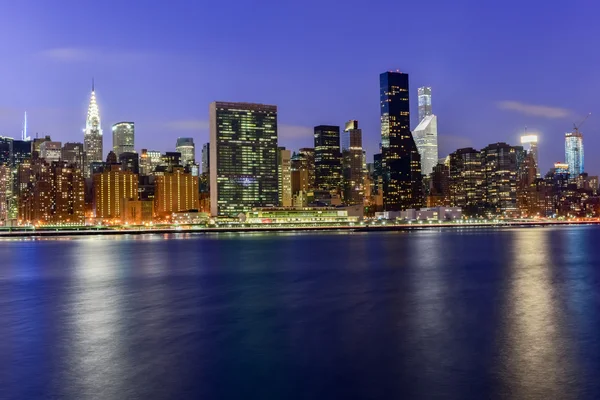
[188,125]
[78,54]
[534,110]
[294,132]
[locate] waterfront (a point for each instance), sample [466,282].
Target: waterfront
[504,313]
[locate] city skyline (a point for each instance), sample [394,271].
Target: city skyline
[509,96]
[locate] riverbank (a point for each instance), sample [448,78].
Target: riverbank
[280,228]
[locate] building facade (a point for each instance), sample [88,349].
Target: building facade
[187,149]
[530,144]
[284,177]
[175,191]
[426,140]
[466,180]
[111,188]
[574,152]
[72,153]
[123,138]
[243,157]
[51,151]
[353,169]
[424,96]
[402,180]
[328,158]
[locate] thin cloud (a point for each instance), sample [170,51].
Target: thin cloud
[77,54]
[294,131]
[187,125]
[534,109]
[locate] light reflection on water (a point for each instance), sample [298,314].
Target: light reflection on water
[432,314]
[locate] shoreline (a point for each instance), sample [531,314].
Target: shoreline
[274,229]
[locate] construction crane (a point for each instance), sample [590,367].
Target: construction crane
[576,127]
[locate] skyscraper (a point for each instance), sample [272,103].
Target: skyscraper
[51,151]
[425,134]
[243,157]
[402,180]
[123,138]
[530,143]
[284,177]
[426,140]
[308,154]
[352,156]
[187,148]
[574,152]
[466,180]
[328,158]
[500,165]
[92,139]
[424,102]
[72,153]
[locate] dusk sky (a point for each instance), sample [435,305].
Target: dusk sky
[494,67]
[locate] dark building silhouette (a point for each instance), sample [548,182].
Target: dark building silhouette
[328,158]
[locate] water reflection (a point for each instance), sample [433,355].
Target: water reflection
[536,359]
[98,358]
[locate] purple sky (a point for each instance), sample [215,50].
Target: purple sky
[495,67]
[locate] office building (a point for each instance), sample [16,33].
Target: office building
[574,152]
[530,144]
[51,151]
[6,191]
[425,136]
[21,151]
[284,177]
[92,139]
[500,163]
[439,186]
[308,153]
[175,191]
[424,97]
[243,157]
[353,170]
[111,188]
[402,180]
[149,160]
[466,181]
[72,153]
[123,138]
[37,142]
[187,149]
[328,158]
[299,171]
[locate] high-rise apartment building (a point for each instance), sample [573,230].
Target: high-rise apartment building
[51,151]
[328,158]
[574,152]
[92,139]
[284,177]
[402,180]
[175,191]
[6,191]
[123,138]
[51,194]
[187,149]
[111,188]
[72,153]
[352,164]
[243,157]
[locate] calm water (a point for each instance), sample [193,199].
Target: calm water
[452,314]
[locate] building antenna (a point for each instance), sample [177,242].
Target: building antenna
[24,132]
[92,84]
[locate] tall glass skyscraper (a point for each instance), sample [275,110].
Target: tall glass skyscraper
[123,138]
[424,102]
[243,157]
[402,180]
[92,139]
[352,159]
[425,133]
[328,158]
[574,153]
[530,143]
